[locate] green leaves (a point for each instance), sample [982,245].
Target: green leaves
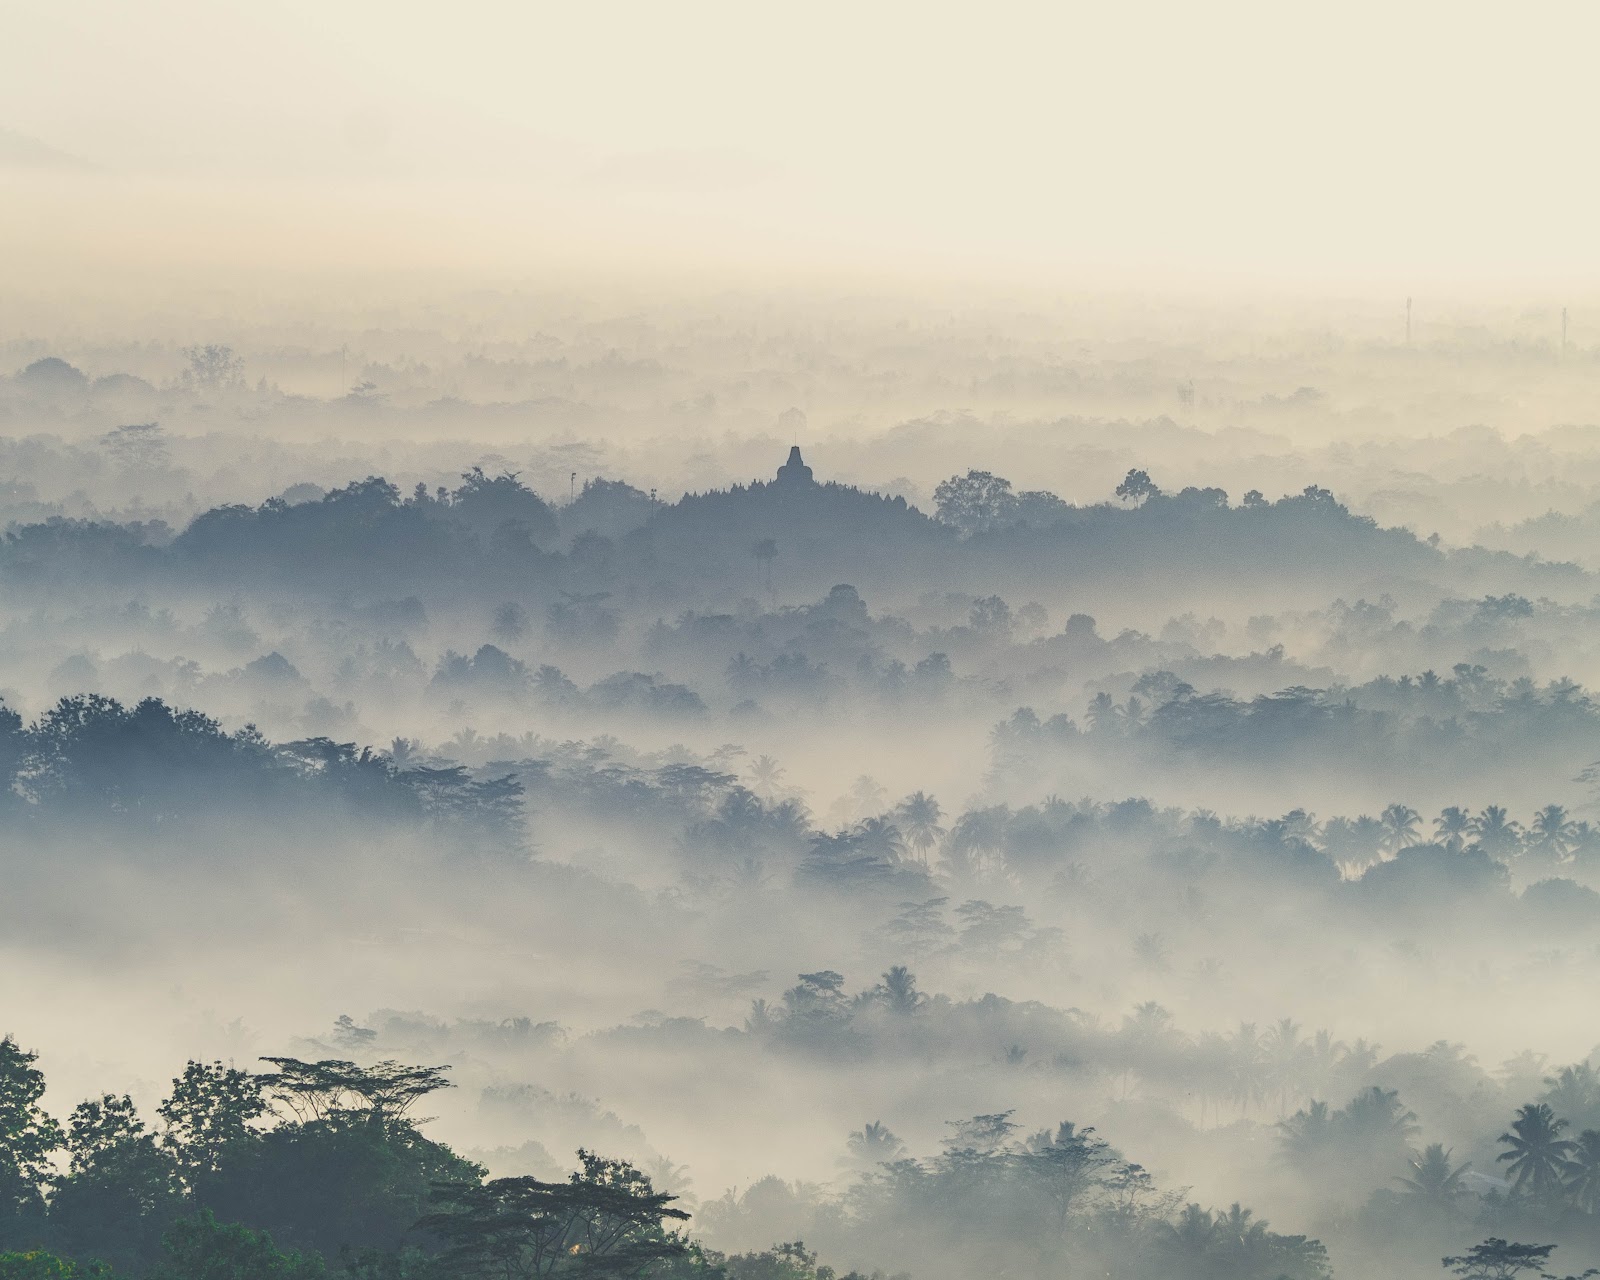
[201,1248]
[211,1105]
[28,1135]
[332,1087]
[606,1220]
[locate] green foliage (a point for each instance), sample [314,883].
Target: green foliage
[350,1180]
[28,1137]
[38,1265]
[332,1088]
[605,1220]
[789,1261]
[121,1189]
[211,1108]
[201,1248]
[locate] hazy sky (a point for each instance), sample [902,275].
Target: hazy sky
[1379,141]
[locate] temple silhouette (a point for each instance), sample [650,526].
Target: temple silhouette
[794,471]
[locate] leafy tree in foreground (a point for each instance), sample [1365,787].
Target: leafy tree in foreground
[28,1135]
[321,1090]
[605,1220]
[38,1265]
[347,1181]
[211,1107]
[201,1248]
[121,1189]
[788,1261]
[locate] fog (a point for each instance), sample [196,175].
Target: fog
[908,644]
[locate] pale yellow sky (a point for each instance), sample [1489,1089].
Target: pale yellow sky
[1389,145]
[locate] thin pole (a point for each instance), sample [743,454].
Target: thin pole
[1408,322]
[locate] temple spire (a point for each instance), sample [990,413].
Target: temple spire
[795,470]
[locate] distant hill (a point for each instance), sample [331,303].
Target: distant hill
[19,151]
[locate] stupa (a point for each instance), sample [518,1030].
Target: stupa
[794,471]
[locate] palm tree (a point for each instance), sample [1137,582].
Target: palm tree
[761,1017]
[1379,1113]
[1585,840]
[1432,1179]
[1304,1134]
[1537,1153]
[1285,1052]
[1238,1227]
[1194,1230]
[1574,1092]
[1498,834]
[1103,714]
[766,775]
[978,839]
[1552,833]
[919,815]
[899,990]
[1247,1066]
[1353,843]
[879,838]
[1582,1177]
[1323,1057]
[1400,824]
[867,795]
[874,1143]
[1453,825]
[1361,1057]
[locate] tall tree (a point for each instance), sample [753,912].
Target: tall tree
[606,1219]
[918,816]
[1400,824]
[1433,1179]
[210,1107]
[1536,1153]
[28,1137]
[1581,1173]
[1452,826]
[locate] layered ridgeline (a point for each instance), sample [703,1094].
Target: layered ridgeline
[1029,960]
[793,536]
[317,1168]
[1023,888]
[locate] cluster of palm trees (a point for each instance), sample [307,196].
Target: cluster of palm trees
[1546,1168]
[1553,835]
[977,843]
[905,834]
[1248,1068]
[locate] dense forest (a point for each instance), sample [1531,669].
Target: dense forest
[979,846]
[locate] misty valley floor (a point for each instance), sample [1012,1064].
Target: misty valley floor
[446,835]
